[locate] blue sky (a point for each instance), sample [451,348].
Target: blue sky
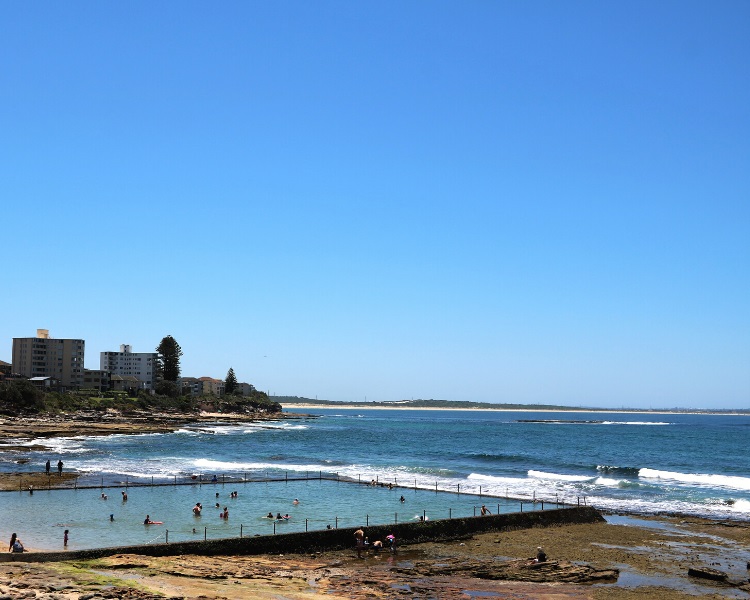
[541,202]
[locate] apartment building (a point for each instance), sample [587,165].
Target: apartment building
[211,386]
[96,380]
[128,363]
[43,356]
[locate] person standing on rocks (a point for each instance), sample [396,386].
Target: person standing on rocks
[46,467]
[59,467]
[359,541]
[65,538]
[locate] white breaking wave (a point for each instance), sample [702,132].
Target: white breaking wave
[222,465]
[725,481]
[558,476]
[608,481]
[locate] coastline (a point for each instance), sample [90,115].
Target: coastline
[652,553]
[511,410]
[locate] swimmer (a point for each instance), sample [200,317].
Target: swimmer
[124,496]
[104,496]
[485,510]
[146,521]
[269,516]
[403,499]
[296,501]
[197,509]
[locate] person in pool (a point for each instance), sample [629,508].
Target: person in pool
[147,520]
[269,515]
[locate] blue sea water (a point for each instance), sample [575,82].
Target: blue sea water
[649,463]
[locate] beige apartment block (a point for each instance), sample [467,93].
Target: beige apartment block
[43,356]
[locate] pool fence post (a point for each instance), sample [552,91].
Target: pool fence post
[359,478]
[498,510]
[475,511]
[240,530]
[166,536]
[337,522]
[436,487]
[274,527]
[450,513]
[286,476]
[521,505]
[102,485]
[534,495]
[367,520]
[152,480]
[205,533]
[480,492]
[424,515]
[320,475]
[305,525]
[376,478]
[175,479]
[542,504]
[458,489]
[395,518]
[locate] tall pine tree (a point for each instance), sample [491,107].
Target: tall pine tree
[169,359]
[230,383]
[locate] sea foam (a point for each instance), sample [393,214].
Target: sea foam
[726,481]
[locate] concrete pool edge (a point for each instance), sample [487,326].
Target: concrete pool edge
[330,539]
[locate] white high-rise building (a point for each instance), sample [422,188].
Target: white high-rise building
[126,362]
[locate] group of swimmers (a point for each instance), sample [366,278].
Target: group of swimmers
[278,517]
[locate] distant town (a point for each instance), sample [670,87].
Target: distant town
[56,365]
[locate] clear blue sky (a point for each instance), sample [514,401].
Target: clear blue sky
[543,202]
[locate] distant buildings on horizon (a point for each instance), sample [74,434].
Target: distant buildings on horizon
[57,365]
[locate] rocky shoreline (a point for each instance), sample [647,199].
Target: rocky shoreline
[19,429]
[587,561]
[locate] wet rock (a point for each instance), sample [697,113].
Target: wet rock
[707,573]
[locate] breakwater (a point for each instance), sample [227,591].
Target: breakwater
[332,539]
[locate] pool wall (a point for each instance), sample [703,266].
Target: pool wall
[332,539]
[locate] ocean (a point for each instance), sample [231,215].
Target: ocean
[444,463]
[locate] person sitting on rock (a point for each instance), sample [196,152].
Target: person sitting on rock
[540,555]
